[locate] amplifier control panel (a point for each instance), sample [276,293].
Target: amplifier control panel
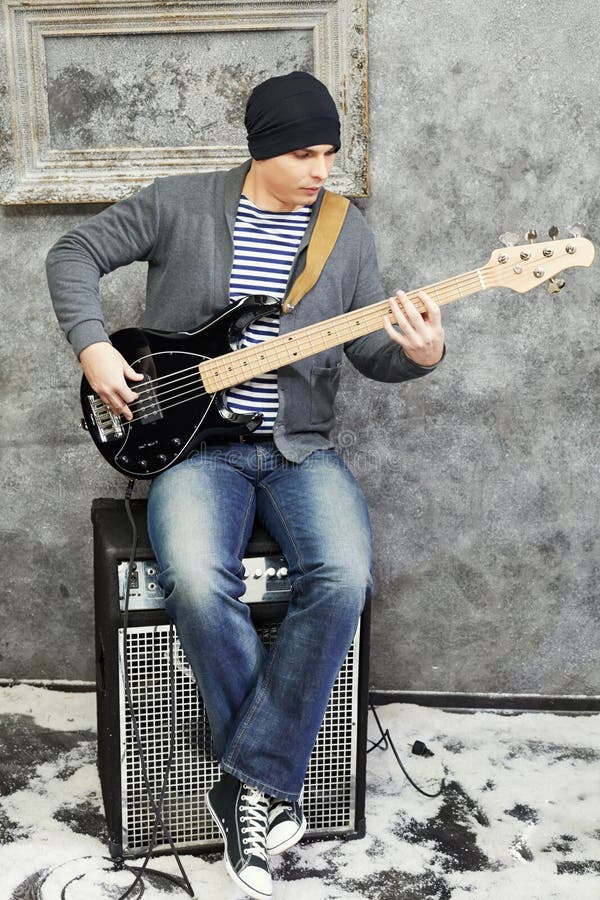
[266,579]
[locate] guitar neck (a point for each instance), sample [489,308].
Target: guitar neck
[235,368]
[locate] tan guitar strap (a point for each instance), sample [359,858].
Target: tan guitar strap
[327,228]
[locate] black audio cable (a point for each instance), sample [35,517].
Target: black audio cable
[418,747]
[157,807]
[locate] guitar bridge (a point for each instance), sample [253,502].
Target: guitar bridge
[108,423]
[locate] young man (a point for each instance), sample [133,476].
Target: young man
[210,239]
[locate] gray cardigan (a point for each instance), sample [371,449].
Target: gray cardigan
[182,226]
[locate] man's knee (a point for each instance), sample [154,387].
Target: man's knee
[345,584]
[199,588]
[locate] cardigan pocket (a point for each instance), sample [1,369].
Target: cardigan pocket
[324,381]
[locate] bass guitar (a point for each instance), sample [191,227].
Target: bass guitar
[181,399]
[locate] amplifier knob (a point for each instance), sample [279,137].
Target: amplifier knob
[258,573]
[270,572]
[282,572]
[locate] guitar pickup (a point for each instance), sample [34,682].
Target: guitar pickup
[147,408]
[108,423]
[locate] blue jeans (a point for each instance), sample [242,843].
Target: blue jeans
[264,707]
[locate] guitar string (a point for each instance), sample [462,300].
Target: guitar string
[374,315]
[151,405]
[472,277]
[442,296]
[147,386]
[175,377]
[470,281]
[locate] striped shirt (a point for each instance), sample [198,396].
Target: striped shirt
[264,248]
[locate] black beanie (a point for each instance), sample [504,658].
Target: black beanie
[290,112]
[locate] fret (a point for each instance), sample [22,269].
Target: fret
[306,346]
[332,331]
[291,347]
[271,354]
[314,349]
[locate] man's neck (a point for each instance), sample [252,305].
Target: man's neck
[255,190]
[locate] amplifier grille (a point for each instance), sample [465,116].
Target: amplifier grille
[329,788]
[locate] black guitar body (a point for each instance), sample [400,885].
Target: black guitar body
[174,413]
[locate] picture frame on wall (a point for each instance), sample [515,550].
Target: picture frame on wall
[106,96]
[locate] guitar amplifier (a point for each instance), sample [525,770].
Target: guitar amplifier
[334,788]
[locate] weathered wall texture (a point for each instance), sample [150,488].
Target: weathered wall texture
[482,479]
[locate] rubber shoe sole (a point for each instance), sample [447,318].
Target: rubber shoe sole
[289,842]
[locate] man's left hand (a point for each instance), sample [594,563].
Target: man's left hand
[422,335]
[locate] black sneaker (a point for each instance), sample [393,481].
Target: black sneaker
[286,825]
[241,814]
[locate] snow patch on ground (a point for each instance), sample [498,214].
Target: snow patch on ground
[518,818]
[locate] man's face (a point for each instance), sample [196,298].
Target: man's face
[294,179]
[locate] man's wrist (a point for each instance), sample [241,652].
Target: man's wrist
[420,365]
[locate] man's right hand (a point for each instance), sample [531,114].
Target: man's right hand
[106,371]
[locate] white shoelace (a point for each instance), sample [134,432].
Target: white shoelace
[256,808]
[277,803]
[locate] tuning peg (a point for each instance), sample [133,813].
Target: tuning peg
[555,285]
[576,230]
[509,239]
[531,235]
[553,232]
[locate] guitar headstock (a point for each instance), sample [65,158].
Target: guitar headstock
[526,266]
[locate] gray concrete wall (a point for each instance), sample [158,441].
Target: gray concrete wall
[483,478]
